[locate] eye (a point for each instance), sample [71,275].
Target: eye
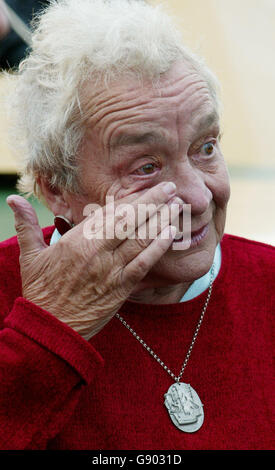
[208,148]
[147,169]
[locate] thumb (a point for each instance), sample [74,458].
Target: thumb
[29,234]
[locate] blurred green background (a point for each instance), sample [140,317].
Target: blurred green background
[7,187]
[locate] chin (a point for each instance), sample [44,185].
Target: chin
[184,269]
[185,266]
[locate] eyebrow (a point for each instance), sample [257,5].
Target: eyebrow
[208,121]
[152,137]
[125,140]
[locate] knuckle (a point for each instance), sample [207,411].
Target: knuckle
[141,266]
[19,227]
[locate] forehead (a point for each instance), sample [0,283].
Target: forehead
[180,98]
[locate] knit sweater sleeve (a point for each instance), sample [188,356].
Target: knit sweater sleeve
[44,367]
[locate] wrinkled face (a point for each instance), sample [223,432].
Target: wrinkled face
[139,136]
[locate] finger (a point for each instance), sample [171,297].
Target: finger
[144,234]
[107,227]
[144,207]
[29,234]
[137,269]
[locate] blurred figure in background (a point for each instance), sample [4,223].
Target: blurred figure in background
[12,46]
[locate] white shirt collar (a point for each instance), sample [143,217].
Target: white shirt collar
[201,284]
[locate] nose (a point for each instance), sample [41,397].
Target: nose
[192,188]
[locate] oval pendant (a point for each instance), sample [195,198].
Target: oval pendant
[184,407]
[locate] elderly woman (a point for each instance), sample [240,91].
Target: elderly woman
[124,342]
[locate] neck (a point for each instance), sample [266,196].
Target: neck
[159,295]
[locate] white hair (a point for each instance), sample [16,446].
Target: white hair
[76,40]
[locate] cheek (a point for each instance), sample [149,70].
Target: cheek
[118,190]
[221,194]
[97,183]
[224,191]
[77,206]
[123,187]
[99,186]
[219,186]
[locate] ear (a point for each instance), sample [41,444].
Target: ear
[56,200]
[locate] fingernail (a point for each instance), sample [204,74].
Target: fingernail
[169,188]
[10,203]
[168,232]
[176,200]
[173,230]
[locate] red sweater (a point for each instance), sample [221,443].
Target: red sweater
[60,392]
